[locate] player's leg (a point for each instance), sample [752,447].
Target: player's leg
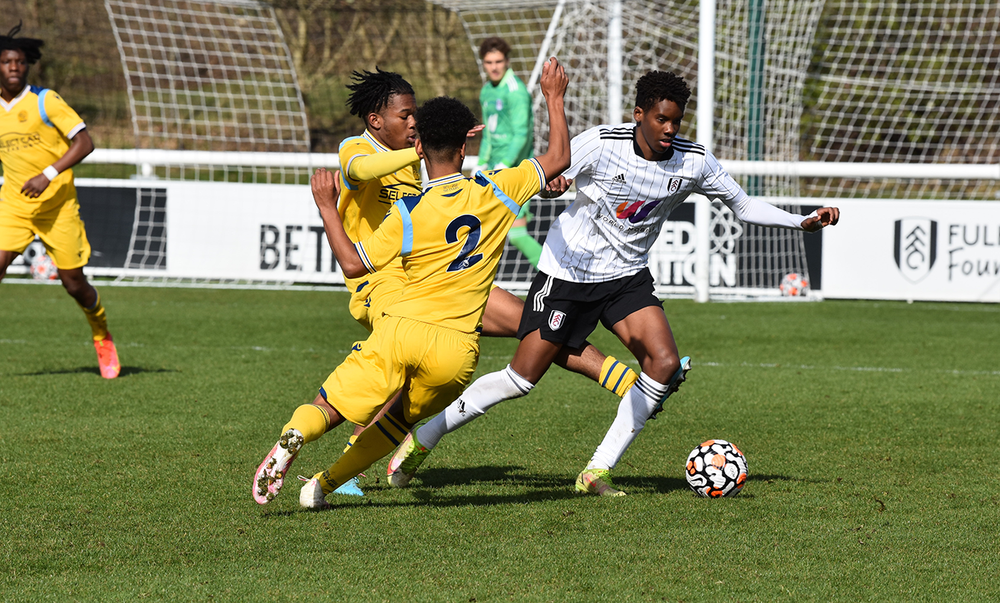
[308,423]
[6,259]
[66,243]
[646,333]
[376,441]
[542,340]
[339,400]
[352,487]
[367,305]
[440,363]
[502,318]
[16,233]
[533,357]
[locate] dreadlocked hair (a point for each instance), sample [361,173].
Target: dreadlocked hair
[29,46]
[658,86]
[443,124]
[370,92]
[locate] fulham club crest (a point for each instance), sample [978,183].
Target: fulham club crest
[556,320]
[673,184]
[915,247]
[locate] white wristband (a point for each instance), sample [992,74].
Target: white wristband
[50,173]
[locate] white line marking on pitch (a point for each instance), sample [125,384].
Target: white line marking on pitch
[806,367]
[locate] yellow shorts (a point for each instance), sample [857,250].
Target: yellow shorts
[60,229]
[434,363]
[372,297]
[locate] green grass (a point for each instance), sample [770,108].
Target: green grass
[870,430]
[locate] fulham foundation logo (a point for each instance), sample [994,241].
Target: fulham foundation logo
[556,320]
[915,247]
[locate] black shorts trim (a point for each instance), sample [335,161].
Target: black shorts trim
[567,313]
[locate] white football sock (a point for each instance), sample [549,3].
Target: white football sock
[484,393]
[633,411]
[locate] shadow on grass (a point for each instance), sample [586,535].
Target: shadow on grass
[784,478]
[488,474]
[430,490]
[125,372]
[655,483]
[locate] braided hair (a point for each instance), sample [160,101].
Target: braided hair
[29,46]
[371,91]
[658,86]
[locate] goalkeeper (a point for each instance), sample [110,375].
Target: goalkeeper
[508,138]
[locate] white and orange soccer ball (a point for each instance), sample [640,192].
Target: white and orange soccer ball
[794,285]
[43,269]
[716,468]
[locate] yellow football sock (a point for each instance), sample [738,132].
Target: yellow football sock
[616,376]
[97,319]
[374,443]
[310,420]
[350,443]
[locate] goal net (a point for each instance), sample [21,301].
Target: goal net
[904,82]
[607,46]
[204,75]
[795,80]
[859,88]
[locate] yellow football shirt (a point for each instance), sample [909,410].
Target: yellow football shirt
[373,177]
[451,239]
[35,129]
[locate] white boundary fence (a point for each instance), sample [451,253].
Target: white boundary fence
[272,233]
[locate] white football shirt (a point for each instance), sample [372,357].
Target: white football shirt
[623,199]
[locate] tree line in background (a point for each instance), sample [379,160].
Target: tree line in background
[328,39]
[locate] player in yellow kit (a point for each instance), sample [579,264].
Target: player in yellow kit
[427,345]
[41,138]
[380,167]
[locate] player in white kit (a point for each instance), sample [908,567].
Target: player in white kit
[594,268]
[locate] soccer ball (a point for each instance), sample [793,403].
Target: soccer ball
[794,285]
[42,268]
[716,468]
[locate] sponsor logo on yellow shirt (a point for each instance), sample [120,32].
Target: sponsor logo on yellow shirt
[16,141]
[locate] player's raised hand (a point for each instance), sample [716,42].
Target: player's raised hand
[825,216]
[476,130]
[554,80]
[325,189]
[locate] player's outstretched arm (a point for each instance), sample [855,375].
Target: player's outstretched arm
[324,190]
[363,168]
[553,83]
[79,147]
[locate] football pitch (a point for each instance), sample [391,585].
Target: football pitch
[870,429]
